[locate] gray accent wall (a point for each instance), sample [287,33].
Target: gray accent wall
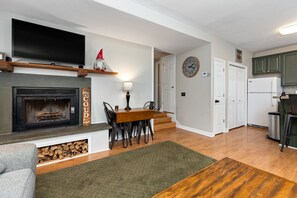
[9,80]
[194,109]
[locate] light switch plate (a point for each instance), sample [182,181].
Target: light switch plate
[205,74]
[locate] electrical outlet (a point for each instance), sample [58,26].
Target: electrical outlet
[183,93]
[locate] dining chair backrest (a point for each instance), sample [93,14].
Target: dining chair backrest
[293,103]
[109,112]
[149,105]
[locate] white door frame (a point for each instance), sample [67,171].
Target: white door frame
[224,105]
[233,64]
[157,84]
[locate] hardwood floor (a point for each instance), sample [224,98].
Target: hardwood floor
[246,144]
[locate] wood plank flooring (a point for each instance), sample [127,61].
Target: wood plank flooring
[246,144]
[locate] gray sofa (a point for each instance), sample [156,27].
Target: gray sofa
[17,170]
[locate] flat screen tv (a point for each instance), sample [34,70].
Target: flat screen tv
[39,42]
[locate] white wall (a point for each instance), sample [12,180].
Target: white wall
[193,110]
[133,62]
[226,51]
[276,50]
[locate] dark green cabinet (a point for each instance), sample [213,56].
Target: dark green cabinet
[274,64]
[259,65]
[267,65]
[284,63]
[289,71]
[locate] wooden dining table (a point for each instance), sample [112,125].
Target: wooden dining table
[133,115]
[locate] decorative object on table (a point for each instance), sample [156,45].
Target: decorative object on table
[116,108]
[127,87]
[238,55]
[2,56]
[191,66]
[8,59]
[100,63]
[86,106]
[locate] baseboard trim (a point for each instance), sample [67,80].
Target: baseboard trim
[201,132]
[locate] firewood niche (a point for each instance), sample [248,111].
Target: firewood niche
[62,151]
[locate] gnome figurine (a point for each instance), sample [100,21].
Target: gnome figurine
[100,63]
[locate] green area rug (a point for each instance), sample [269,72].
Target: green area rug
[138,173]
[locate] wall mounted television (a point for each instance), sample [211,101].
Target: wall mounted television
[33,41]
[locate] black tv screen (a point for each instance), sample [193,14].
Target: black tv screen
[34,41]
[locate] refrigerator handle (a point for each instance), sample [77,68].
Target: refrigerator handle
[271,87]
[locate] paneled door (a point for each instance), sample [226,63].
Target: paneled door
[232,98]
[240,97]
[219,96]
[236,97]
[168,83]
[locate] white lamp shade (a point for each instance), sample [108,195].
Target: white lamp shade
[127,86]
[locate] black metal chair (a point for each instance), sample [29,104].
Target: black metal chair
[289,117]
[144,124]
[111,120]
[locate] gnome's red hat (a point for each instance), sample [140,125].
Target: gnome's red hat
[100,55]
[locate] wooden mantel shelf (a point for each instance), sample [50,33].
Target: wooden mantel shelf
[9,67]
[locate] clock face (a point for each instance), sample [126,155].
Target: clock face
[191,66]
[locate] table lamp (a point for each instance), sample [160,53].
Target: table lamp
[127,88]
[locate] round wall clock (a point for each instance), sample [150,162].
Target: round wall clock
[191,66]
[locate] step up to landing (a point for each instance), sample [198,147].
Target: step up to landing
[162,121]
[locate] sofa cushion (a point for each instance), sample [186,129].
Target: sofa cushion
[2,168]
[20,183]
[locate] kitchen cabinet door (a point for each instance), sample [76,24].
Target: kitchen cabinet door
[289,69]
[274,64]
[259,65]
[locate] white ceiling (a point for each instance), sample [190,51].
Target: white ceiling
[248,24]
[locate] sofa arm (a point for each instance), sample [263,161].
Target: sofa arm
[18,156]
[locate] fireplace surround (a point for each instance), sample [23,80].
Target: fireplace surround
[10,80]
[44,107]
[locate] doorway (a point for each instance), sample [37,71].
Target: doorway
[164,72]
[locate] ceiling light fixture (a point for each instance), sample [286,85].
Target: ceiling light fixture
[288,30]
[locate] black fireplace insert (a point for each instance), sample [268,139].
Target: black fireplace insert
[44,107]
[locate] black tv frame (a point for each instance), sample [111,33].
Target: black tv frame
[47,44]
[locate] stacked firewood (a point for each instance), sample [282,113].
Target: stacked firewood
[61,151]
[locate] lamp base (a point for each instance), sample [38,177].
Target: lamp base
[127,98]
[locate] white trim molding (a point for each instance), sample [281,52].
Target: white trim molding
[198,131]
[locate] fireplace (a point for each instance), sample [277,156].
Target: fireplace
[44,107]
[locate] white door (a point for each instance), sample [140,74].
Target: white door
[219,96]
[168,83]
[240,82]
[232,98]
[236,97]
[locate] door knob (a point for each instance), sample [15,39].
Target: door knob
[217,101]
